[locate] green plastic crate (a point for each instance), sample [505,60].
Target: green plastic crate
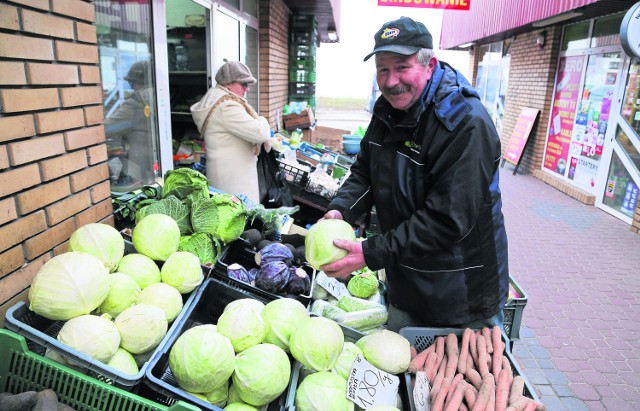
[513,310]
[22,370]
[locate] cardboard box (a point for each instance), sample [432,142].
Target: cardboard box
[303,120]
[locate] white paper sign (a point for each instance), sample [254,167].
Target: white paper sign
[368,386]
[421,391]
[333,286]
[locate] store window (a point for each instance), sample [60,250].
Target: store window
[492,78]
[575,36]
[621,192]
[124,32]
[631,103]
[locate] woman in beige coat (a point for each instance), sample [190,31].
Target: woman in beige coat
[232,131]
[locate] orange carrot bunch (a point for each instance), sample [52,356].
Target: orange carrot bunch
[470,372]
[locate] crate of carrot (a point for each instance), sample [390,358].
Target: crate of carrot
[467,370]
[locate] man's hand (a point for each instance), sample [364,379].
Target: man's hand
[351,262]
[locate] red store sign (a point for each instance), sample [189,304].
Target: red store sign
[428,4]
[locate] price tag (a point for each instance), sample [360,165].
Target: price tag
[421,391]
[333,286]
[368,386]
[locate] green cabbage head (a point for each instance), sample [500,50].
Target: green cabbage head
[100,240]
[223,216]
[141,268]
[123,293]
[242,323]
[346,359]
[386,350]
[261,374]
[317,343]
[157,236]
[183,182]
[322,391]
[201,359]
[124,362]
[69,285]
[92,335]
[363,285]
[202,245]
[163,296]
[282,316]
[239,406]
[141,328]
[174,208]
[318,244]
[182,270]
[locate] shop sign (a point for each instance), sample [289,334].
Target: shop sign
[630,31]
[428,4]
[563,113]
[520,134]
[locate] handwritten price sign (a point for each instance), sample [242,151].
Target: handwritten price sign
[333,286]
[421,392]
[369,386]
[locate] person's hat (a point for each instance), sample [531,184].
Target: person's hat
[138,72]
[234,72]
[402,36]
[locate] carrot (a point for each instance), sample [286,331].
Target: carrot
[531,406]
[491,405]
[438,401]
[484,394]
[469,363]
[483,367]
[452,355]
[464,351]
[496,360]
[517,388]
[417,362]
[506,365]
[470,395]
[474,378]
[463,407]
[486,333]
[454,384]
[502,390]
[521,404]
[439,350]
[473,347]
[454,401]
[437,381]
[429,366]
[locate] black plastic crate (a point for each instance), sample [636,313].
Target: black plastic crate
[422,338]
[296,174]
[210,302]
[240,252]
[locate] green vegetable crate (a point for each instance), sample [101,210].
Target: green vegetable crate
[211,300]
[513,310]
[422,338]
[41,336]
[240,252]
[22,370]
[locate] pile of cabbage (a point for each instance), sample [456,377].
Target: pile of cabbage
[274,271]
[326,358]
[116,308]
[242,360]
[207,222]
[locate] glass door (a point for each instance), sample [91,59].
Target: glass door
[125,44]
[619,191]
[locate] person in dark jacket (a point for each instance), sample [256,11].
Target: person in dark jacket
[429,165]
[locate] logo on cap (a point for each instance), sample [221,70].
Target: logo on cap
[388,33]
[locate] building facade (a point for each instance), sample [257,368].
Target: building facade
[95,96]
[566,60]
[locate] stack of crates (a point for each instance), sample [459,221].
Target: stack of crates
[303,41]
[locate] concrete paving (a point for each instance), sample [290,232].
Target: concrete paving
[580,268]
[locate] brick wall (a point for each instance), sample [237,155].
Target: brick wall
[274,59]
[53,170]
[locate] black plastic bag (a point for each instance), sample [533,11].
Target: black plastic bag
[274,191]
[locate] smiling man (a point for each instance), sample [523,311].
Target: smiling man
[429,165]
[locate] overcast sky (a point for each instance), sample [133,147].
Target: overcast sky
[340,71]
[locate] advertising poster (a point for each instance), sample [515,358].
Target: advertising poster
[563,113]
[592,119]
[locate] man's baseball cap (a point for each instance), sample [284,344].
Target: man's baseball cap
[402,36]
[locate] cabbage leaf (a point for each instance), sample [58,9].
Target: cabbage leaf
[172,207]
